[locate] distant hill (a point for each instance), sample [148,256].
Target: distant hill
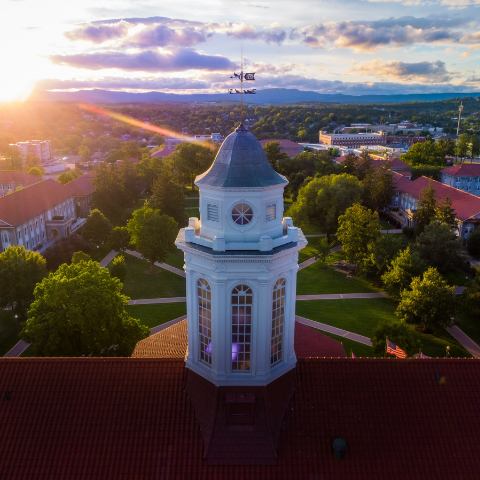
[267,96]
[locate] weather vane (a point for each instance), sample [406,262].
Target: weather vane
[243,77]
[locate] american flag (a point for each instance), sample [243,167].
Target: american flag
[395,350]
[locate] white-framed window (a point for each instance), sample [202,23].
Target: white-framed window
[19,233]
[25,230]
[5,237]
[36,223]
[242,214]
[43,235]
[242,303]
[278,317]
[205,320]
[41,220]
[271,212]
[212,212]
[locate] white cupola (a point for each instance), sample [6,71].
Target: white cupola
[241,261]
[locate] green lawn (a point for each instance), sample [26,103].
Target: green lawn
[100,252]
[191,203]
[175,259]
[362,316]
[153,315]
[8,332]
[190,193]
[456,278]
[314,281]
[469,323]
[161,285]
[192,212]
[384,225]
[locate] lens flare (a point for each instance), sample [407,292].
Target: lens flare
[139,124]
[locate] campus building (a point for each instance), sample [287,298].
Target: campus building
[42,149]
[354,140]
[242,388]
[38,214]
[465,177]
[11,179]
[292,149]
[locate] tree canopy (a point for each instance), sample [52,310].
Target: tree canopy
[324,199]
[79,311]
[168,197]
[97,228]
[397,332]
[20,271]
[153,234]
[426,153]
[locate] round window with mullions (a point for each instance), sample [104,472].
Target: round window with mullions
[242,214]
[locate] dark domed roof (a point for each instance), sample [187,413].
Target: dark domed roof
[240,162]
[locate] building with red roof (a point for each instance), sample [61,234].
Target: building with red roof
[394,162]
[465,177]
[11,179]
[38,213]
[408,193]
[292,149]
[83,189]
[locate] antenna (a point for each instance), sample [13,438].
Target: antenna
[460,108]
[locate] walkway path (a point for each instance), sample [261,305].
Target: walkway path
[393,230]
[148,301]
[18,349]
[341,296]
[333,330]
[465,341]
[177,271]
[108,258]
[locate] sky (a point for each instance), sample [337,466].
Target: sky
[353,47]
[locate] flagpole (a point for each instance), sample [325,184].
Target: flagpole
[241,86]
[386,343]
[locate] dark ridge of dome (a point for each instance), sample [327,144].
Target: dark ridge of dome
[240,162]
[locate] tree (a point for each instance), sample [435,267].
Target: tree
[85,153]
[168,197]
[35,171]
[119,268]
[426,153]
[426,208]
[379,188]
[63,249]
[97,228]
[473,243]
[472,293]
[430,302]
[463,145]
[20,271]
[274,153]
[447,147]
[158,139]
[190,160]
[322,250]
[475,146]
[440,247]
[119,239]
[324,199]
[446,214]
[67,177]
[79,311]
[356,229]
[380,253]
[350,164]
[78,257]
[397,332]
[403,268]
[153,234]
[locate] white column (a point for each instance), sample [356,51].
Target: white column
[192,313]
[220,328]
[263,330]
[289,326]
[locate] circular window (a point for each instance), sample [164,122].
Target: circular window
[242,214]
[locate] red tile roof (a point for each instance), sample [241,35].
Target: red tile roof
[131,418]
[82,186]
[20,206]
[395,163]
[463,170]
[173,341]
[14,176]
[465,204]
[164,152]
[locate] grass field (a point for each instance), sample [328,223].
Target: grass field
[153,315]
[161,285]
[362,316]
[8,331]
[175,259]
[314,281]
[469,323]
[192,212]
[191,203]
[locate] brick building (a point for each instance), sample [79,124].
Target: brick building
[11,179]
[353,140]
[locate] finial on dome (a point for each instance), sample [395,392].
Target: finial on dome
[241,128]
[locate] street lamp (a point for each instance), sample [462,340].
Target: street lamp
[18,326]
[448,351]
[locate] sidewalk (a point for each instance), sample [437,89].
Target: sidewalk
[108,258]
[341,296]
[177,271]
[18,349]
[334,331]
[148,301]
[465,341]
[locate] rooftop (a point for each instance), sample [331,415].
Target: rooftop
[20,206]
[240,162]
[14,176]
[463,170]
[83,185]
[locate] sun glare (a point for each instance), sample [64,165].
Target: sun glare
[15,89]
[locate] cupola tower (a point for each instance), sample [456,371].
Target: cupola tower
[241,261]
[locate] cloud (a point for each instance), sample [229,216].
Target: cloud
[466,54]
[149,21]
[162,35]
[118,83]
[98,34]
[370,36]
[420,72]
[449,3]
[248,31]
[146,61]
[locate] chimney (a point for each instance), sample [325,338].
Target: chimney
[339,446]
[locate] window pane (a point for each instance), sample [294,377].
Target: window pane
[278,315]
[204,321]
[241,327]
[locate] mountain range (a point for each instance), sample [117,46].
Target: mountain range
[268,96]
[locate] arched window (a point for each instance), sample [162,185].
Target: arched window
[205,320]
[242,299]
[278,316]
